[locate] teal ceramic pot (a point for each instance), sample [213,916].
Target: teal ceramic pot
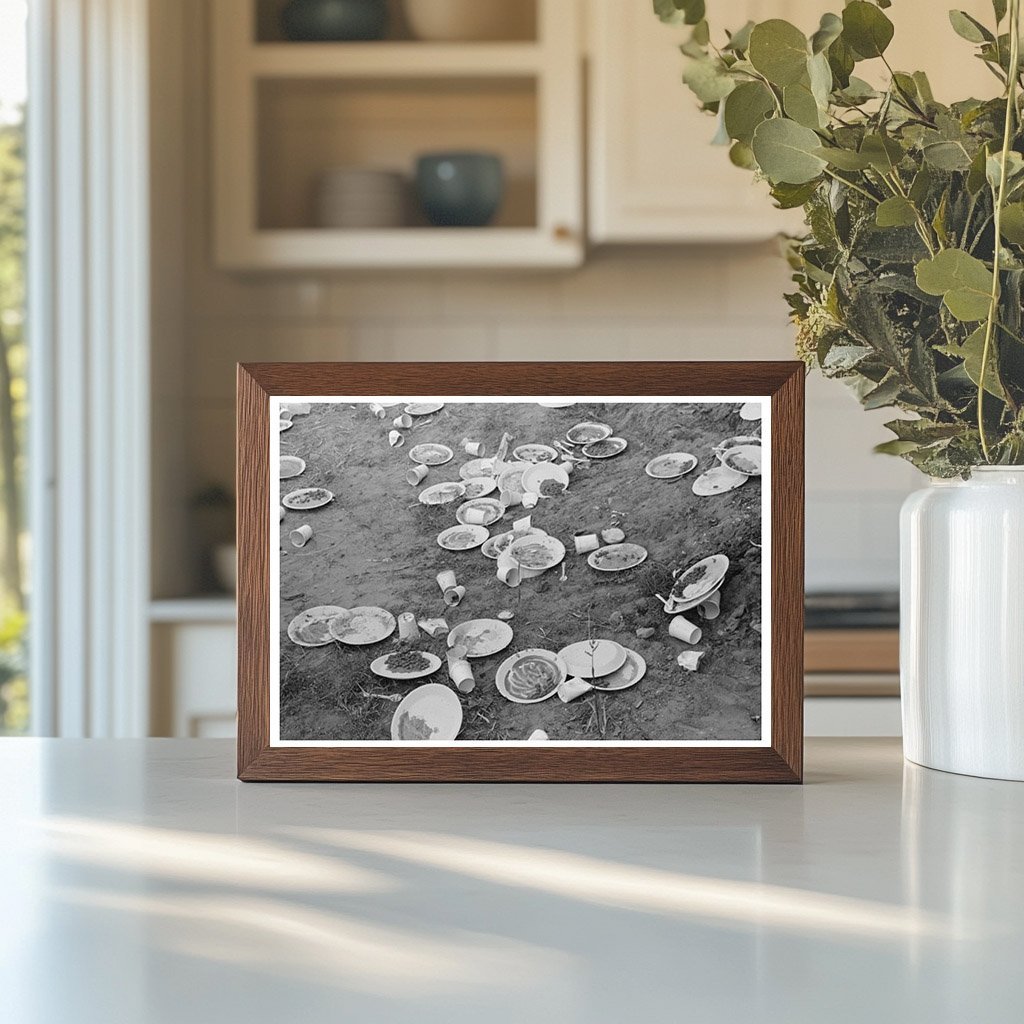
[332,21]
[461,190]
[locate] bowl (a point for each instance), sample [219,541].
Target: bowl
[333,21]
[461,190]
[361,197]
[471,20]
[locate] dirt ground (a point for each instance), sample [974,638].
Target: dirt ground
[377,545]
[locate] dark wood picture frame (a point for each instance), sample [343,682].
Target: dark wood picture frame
[780,761]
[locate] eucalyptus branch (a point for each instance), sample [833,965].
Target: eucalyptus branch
[1000,199]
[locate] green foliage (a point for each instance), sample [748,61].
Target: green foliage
[904,289]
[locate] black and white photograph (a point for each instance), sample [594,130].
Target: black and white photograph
[492,571]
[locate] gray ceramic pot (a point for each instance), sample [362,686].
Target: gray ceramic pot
[460,189]
[334,20]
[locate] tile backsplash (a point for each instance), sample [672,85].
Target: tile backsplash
[698,303]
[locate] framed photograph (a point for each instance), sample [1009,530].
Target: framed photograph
[520,572]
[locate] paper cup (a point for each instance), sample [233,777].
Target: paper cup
[378,410]
[407,628]
[571,688]
[537,736]
[473,447]
[690,660]
[586,542]
[453,596]
[395,439]
[434,627]
[446,580]
[285,414]
[475,516]
[510,498]
[567,465]
[416,475]
[522,526]
[530,499]
[712,607]
[459,670]
[508,570]
[683,629]
[301,535]
[404,421]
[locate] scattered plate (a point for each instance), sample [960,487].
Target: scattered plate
[479,486]
[671,465]
[499,542]
[462,537]
[442,494]
[283,425]
[491,509]
[477,468]
[623,678]
[291,465]
[701,579]
[534,453]
[363,625]
[311,628]
[537,552]
[750,411]
[605,449]
[617,557]
[429,663]
[423,408]
[511,478]
[735,442]
[430,712]
[431,454]
[592,659]
[586,433]
[535,478]
[307,498]
[745,458]
[296,408]
[528,677]
[718,480]
[558,403]
[675,605]
[481,637]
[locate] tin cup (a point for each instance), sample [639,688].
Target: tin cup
[683,629]
[416,475]
[404,421]
[301,535]
[396,439]
[378,410]
[586,542]
[475,448]
[453,596]
[446,580]
[407,628]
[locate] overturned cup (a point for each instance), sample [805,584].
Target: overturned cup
[683,629]
[404,421]
[396,439]
[459,669]
[508,570]
[378,410]
[712,607]
[586,542]
[446,580]
[416,475]
[476,448]
[453,596]
[407,628]
[301,536]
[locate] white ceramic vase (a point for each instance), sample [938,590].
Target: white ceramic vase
[962,624]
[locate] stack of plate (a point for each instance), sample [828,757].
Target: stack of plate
[360,197]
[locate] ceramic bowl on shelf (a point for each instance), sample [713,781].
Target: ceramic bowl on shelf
[460,189]
[466,21]
[361,197]
[334,21]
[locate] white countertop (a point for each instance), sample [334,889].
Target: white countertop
[143,885]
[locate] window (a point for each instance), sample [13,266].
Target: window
[14,705]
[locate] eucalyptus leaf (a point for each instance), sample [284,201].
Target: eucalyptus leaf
[741,155]
[969,28]
[1013,223]
[947,156]
[779,51]
[963,281]
[800,105]
[786,152]
[844,159]
[739,40]
[999,8]
[829,30]
[745,108]
[708,80]
[676,12]
[866,29]
[895,212]
[972,353]
[883,153]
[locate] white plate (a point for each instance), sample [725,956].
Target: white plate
[492,509]
[431,454]
[671,465]
[591,659]
[480,486]
[535,476]
[544,552]
[677,607]
[464,537]
[558,403]
[291,465]
[283,425]
[700,579]
[718,481]
[605,449]
[362,626]
[442,494]
[585,433]
[311,627]
[735,442]
[477,468]
[434,708]
[481,637]
[380,667]
[500,541]
[744,458]
[750,411]
[514,662]
[617,557]
[630,674]
[423,408]
[307,498]
[534,453]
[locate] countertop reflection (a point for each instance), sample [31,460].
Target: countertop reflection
[143,884]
